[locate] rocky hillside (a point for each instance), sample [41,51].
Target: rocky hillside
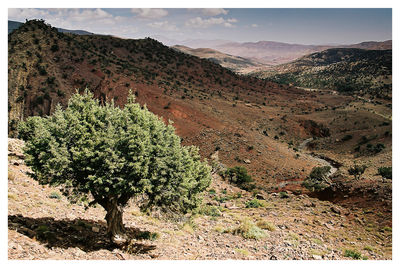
[231,224]
[251,122]
[46,66]
[346,70]
[234,63]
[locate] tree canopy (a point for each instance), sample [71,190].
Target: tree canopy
[113,154]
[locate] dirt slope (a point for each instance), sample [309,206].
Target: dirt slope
[43,225]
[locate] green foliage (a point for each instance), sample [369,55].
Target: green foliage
[54,48]
[357,171]
[212,211]
[376,149]
[55,195]
[353,254]
[385,172]
[283,195]
[254,203]
[114,154]
[146,235]
[238,175]
[318,179]
[266,225]
[249,230]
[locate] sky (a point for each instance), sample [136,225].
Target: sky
[300,26]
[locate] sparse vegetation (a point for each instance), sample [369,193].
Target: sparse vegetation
[357,171]
[238,175]
[385,172]
[353,254]
[249,230]
[318,179]
[254,203]
[283,194]
[266,225]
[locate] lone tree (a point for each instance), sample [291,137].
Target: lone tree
[318,179]
[357,171]
[110,155]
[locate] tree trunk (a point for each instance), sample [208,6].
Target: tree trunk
[115,226]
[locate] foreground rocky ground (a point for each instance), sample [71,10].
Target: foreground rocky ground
[44,225]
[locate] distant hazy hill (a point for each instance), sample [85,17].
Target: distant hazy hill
[234,63]
[278,52]
[268,52]
[342,69]
[12,25]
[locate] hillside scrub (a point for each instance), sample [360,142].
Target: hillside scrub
[238,175]
[385,172]
[111,155]
[318,179]
[357,171]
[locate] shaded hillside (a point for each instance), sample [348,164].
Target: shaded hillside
[341,69]
[372,45]
[234,63]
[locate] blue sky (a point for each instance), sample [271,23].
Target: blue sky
[302,26]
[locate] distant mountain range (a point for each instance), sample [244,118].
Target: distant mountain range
[234,63]
[13,25]
[268,52]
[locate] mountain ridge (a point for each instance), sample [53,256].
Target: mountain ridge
[13,25]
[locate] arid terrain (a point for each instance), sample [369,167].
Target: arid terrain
[44,225]
[279,132]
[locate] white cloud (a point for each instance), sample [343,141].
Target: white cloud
[164,25]
[20,14]
[254,25]
[199,22]
[65,18]
[150,13]
[210,11]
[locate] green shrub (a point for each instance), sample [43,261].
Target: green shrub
[318,179]
[266,225]
[249,230]
[385,172]
[353,254]
[357,171]
[146,235]
[54,48]
[238,175]
[55,195]
[283,194]
[254,203]
[212,211]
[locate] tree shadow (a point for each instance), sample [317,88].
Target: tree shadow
[88,235]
